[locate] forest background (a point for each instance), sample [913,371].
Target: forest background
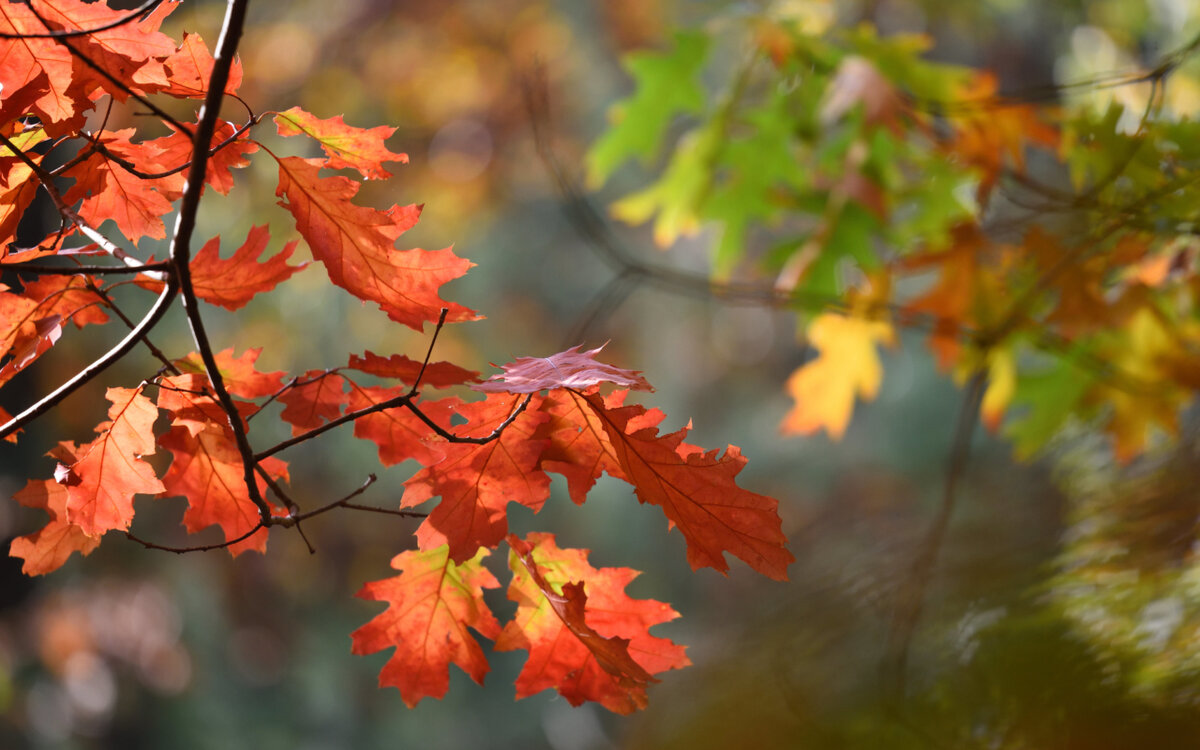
[142,649]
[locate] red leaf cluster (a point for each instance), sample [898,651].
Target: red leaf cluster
[585,637]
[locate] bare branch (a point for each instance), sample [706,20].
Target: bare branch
[181,242]
[429,352]
[81,270]
[161,305]
[911,597]
[111,305]
[199,548]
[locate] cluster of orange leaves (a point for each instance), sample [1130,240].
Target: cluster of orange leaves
[585,637]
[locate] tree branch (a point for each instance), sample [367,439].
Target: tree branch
[911,597]
[100,365]
[180,255]
[199,548]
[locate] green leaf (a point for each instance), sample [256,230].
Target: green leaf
[1049,398]
[666,85]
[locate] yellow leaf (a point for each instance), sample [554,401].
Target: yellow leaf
[1002,383]
[1143,354]
[848,366]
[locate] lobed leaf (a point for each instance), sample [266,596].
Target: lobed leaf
[586,638]
[431,605]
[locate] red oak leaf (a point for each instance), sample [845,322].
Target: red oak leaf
[20,187]
[400,367]
[586,638]
[190,68]
[31,322]
[579,447]
[399,434]
[238,373]
[430,606]
[5,418]
[43,65]
[207,470]
[355,244]
[569,369]
[127,52]
[108,191]
[188,400]
[477,482]
[49,547]
[345,146]
[175,150]
[318,397]
[696,490]
[233,282]
[110,470]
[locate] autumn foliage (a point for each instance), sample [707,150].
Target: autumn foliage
[66,67]
[840,174]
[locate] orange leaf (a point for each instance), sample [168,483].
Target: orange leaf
[132,57]
[207,470]
[318,398]
[436,374]
[32,321]
[43,65]
[49,547]
[430,606]
[696,490]
[233,282]
[346,146]
[593,646]
[399,434]
[175,150]
[110,470]
[477,482]
[355,244]
[238,373]
[189,402]
[190,68]
[569,369]
[579,448]
[108,191]
[20,187]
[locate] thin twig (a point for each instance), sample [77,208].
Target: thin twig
[154,350]
[132,168]
[81,270]
[181,242]
[911,596]
[161,305]
[133,15]
[429,352]
[65,210]
[198,548]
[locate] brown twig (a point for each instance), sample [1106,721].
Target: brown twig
[345,503]
[911,596]
[429,352]
[80,270]
[111,305]
[133,15]
[47,402]
[180,253]
[198,548]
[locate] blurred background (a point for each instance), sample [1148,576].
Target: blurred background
[1063,609]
